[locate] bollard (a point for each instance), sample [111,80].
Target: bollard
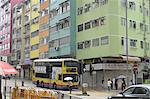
[22,83]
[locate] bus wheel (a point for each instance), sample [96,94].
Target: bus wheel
[54,85]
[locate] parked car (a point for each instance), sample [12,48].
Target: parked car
[141,91]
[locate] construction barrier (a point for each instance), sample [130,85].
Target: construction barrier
[33,93]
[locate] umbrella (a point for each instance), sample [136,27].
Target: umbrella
[68,78]
[6,69]
[121,77]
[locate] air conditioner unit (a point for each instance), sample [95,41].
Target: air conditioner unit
[56,48]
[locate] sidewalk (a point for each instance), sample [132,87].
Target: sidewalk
[103,94]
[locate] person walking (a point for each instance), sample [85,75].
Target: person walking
[109,84]
[123,86]
[116,84]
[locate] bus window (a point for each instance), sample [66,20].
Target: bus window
[71,64]
[74,76]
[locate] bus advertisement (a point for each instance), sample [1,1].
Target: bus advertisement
[51,73]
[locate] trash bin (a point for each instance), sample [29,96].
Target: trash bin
[84,88]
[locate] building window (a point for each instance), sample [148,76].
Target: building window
[80,27]
[95,42]
[87,7]
[88,25]
[102,20]
[104,40]
[80,45]
[132,5]
[95,23]
[142,44]
[87,43]
[132,24]
[80,10]
[64,40]
[63,23]
[122,41]
[35,33]
[35,20]
[34,47]
[133,43]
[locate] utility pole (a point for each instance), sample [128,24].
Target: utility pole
[127,62]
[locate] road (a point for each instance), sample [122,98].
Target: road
[76,94]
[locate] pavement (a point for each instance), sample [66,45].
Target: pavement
[75,94]
[91,94]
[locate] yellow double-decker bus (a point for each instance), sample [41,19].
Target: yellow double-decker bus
[51,73]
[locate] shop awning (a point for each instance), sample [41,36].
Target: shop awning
[132,59]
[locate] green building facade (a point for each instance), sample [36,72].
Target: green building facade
[101,37]
[101,28]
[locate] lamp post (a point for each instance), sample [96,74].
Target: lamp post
[126,15]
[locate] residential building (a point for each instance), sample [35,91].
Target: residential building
[44,28]
[17,32]
[25,53]
[34,29]
[5,29]
[62,28]
[101,37]
[20,56]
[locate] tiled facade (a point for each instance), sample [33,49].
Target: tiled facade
[5,27]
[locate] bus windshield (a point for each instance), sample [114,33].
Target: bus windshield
[71,63]
[74,76]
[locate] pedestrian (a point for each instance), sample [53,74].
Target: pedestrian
[131,83]
[123,86]
[116,84]
[37,83]
[109,84]
[70,84]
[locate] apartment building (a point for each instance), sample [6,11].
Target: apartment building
[62,28]
[34,29]
[44,29]
[5,29]
[101,37]
[17,34]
